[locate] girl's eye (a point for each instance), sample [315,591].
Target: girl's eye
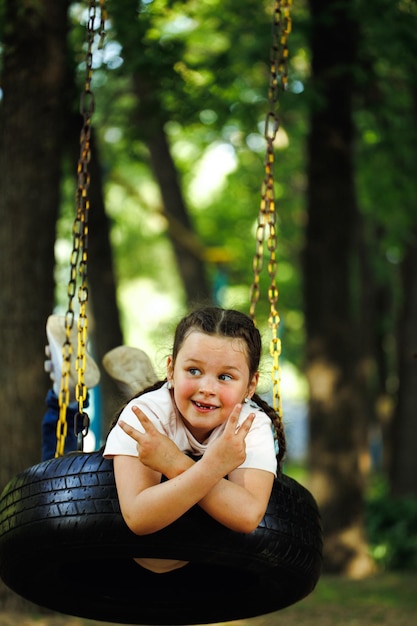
[194,371]
[225,377]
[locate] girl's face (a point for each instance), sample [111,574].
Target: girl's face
[210,376]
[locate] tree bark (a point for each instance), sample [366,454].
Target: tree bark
[190,258]
[337,406]
[34,67]
[403,431]
[149,118]
[403,474]
[105,329]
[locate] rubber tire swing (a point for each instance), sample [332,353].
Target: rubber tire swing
[65,546]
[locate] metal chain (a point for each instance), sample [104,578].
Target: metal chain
[79,255]
[281,28]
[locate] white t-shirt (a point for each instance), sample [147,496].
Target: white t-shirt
[157,406]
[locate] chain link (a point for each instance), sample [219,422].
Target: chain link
[266,227]
[79,254]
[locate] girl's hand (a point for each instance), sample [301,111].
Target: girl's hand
[229,450]
[155,450]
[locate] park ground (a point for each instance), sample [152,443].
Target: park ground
[388,599]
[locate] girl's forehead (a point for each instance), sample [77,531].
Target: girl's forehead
[203,344]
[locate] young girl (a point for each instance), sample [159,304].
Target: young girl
[207,407]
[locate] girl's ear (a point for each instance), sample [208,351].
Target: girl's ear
[170,368]
[253,384]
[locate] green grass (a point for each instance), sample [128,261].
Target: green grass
[387,590]
[386,599]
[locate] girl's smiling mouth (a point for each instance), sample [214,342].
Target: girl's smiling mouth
[202,406]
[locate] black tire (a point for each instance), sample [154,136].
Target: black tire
[64,545]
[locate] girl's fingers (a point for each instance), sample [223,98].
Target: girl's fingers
[143,419]
[233,418]
[146,425]
[129,430]
[246,425]
[232,422]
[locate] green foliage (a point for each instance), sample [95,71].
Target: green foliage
[392,530]
[206,67]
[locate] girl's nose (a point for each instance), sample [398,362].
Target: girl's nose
[207,386]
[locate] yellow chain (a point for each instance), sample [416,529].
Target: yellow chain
[281,28]
[79,255]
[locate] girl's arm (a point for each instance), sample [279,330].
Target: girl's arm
[240,502]
[148,505]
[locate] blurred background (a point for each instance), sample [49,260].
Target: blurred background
[180,98]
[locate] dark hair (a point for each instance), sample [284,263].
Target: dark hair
[234,324]
[224,323]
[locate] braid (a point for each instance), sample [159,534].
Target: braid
[278,426]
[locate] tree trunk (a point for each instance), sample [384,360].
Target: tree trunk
[190,257]
[337,405]
[404,432]
[403,466]
[105,329]
[149,120]
[34,67]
